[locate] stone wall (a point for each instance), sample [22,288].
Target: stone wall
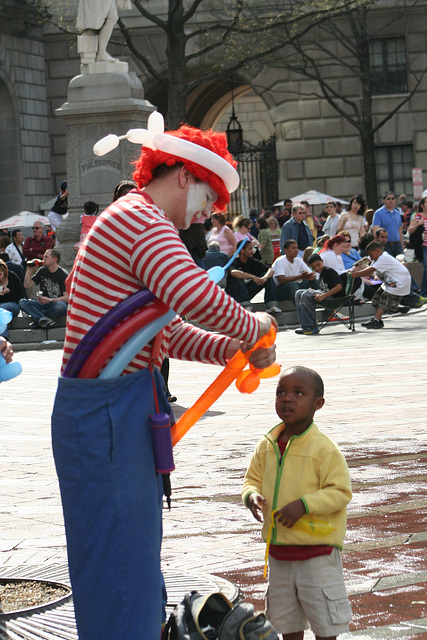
[25,160]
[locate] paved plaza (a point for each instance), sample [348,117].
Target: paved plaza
[376,408]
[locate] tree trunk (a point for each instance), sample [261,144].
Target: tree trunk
[177,90]
[366,122]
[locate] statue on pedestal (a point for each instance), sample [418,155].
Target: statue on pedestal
[96,20]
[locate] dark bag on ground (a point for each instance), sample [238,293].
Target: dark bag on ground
[213,617]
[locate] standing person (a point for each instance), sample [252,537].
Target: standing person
[396,283]
[298,230]
[388,217]
[122,188]
[36,245]
[297,475]
[52,297]
[60,207]
[331,225]
[15,250]
[112,496]
[419,221]
[310,219]
[353,220]
[274,230]
[265,243]
[222,234]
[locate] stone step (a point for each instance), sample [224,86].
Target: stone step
[25,339]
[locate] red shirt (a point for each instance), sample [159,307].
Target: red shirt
[34,248]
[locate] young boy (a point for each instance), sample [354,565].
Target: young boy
[396,283]
[332,285]
[298,470]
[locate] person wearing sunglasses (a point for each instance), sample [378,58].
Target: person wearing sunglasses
[36,245]
[388,217]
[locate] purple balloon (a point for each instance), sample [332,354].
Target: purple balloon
[104,325]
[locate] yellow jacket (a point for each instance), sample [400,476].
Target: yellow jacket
[312,469]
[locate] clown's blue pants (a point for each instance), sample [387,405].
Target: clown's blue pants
[112,502]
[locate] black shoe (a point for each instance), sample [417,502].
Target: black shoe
[373,324]
[34,325]
[172,398]
[402,308]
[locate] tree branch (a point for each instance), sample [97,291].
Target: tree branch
[140,56]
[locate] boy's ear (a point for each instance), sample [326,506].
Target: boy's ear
[319,403]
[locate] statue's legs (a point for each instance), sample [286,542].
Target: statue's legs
[104,35]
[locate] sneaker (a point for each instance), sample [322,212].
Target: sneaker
[402,308]
[172,398]
[373,324]
[274,309]
[307,331]
[421,302]
[46,323]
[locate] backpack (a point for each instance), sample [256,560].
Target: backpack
[213,617]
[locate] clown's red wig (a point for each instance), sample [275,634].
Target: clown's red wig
[150,159]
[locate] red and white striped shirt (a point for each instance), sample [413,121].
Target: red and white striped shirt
[133,246]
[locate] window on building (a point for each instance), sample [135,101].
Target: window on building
[394,169]
[388,66]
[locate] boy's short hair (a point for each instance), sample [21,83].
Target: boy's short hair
[374,245]
[288,243]
[316,380]
[314,258]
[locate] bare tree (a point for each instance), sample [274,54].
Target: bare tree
[210,40]
[321,61]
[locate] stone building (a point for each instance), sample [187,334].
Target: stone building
[315,147]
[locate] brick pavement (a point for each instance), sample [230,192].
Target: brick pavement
[375,409]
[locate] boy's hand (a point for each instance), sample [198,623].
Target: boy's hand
[255,503]
[290,513]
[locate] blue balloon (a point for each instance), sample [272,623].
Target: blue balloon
[134,345]
[13,369]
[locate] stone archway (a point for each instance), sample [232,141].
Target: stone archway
[11,200]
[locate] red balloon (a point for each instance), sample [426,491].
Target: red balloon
[118,336]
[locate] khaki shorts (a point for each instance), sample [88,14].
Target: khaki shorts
[308,592]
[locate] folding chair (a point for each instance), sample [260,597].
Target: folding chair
[332,307]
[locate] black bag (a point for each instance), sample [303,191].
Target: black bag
[213,617]
[416,242]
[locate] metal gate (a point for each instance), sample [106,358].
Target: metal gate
[257,167]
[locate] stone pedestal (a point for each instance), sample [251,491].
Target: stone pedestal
[108,101]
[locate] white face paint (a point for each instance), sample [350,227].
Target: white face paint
[200,198]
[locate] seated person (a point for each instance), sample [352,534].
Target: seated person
[11,291]
[216,258]
[248,276]
[396,283]
[52,297]
[331,285]
[291,273]
[350,255]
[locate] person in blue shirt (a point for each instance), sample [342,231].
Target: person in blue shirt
[388,217]
[298,230]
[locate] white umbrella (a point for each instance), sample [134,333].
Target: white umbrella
[312,197]
[23,219]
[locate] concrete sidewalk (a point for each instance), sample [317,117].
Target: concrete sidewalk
[376,407]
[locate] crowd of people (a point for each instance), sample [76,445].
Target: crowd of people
[278,245]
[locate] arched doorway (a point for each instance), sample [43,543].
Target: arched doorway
[11,199]
[256,156]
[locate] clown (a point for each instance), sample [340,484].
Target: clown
[111,494]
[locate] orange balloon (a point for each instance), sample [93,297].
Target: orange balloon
[247,381]
[230,372]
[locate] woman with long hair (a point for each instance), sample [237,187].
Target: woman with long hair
[222,234]
[353,220]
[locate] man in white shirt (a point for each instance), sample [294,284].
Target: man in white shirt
[291,273]
[396,283]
